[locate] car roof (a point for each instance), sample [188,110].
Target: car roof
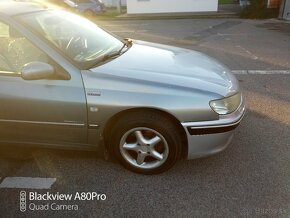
[11,8]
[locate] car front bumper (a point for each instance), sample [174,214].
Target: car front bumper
[209,137]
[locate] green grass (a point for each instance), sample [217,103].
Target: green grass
[110,12]
[113,12]
[222,2]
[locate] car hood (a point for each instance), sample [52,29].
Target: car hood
[161,65]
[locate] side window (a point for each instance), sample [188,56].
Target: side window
[3,64]
[16,51]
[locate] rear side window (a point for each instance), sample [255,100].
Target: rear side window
[4,41]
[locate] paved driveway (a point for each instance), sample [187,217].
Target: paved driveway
[251,178]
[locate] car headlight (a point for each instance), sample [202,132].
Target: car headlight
[226,105]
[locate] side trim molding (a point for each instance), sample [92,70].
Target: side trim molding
[211,130]
[42,123]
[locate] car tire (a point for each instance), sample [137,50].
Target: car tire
[89,13]
[145,142]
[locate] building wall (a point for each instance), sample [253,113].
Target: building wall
[286,11]
[170,6]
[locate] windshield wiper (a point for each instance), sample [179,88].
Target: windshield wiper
[127,43]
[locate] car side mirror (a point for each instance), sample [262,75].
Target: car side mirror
[36,71]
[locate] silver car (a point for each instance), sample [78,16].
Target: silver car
[65,82]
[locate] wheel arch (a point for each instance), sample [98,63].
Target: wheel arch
[119,115]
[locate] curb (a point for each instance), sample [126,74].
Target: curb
[170,17]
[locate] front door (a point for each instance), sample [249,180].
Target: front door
[48,111]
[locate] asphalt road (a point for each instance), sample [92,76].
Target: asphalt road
[250,178]
[240,44]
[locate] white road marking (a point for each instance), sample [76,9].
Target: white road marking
[123,31]
[125,25]
[128,31]
[268,71]
[254,57]
[232,34]
[27,182]
[262,72]
[239,72]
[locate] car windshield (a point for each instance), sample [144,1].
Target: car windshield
[78,38]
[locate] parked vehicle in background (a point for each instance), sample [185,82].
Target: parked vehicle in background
[87,7]
[44,3]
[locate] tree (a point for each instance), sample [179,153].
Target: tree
[258,4]
[258,9]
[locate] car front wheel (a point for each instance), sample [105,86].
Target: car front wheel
[146,142]
[89,13]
